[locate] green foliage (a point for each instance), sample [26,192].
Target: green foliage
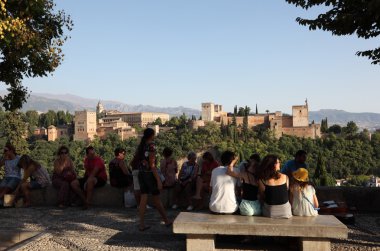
[31,46]
[336,156]
[15,131]
[346,17]
[324,126]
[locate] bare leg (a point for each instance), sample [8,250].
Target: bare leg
[91,182]
[198,188]
[158,204]
[76,188]
[3,191]
[142,208]
[25,190]
[137,196]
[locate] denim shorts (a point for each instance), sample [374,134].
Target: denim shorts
[34,185]
[10,182]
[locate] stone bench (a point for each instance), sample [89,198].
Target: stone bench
[314,232]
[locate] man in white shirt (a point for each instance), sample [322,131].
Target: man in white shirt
[223,198]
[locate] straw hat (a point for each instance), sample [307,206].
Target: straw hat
[301,175]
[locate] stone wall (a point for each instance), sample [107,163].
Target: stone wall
[364,199]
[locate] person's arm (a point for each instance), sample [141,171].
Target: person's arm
[176,169]
[195,172]
[315,199]
[230,169]
[98,165]
[261,191]
[291,195]
[152,165]
[123,167]
[2,161]
[27,174]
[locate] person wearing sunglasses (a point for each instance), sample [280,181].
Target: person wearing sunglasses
[12,171]
[64,177]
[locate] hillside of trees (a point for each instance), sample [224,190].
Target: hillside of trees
[343,151]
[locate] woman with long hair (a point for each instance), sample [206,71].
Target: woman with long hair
[64,176]
[149,179]
[39,177]
[273,188]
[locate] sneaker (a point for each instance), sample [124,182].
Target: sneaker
[174,206]
[148,207]
[190,208]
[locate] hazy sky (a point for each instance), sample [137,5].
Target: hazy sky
[243,52]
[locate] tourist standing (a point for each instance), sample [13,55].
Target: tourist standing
[169,169]
[149,179]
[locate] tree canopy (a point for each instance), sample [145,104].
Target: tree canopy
[346,17]
[31,40]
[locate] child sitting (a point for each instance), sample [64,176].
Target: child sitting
[302,195]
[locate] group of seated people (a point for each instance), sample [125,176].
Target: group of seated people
[255,187]
[64,177]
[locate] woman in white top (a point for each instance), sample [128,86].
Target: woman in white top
[302,195]
[12,175]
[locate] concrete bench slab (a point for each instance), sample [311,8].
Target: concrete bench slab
[315,232]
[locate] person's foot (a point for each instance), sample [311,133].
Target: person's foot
[190,208]
[175,206]
[86,206]
[168,224]
[143,228]
[196,197]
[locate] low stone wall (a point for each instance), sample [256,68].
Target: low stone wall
[363,199]
[106,196]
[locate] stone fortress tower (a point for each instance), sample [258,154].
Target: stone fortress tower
[212,112]
[85,125]
[296,125]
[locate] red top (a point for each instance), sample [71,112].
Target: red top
[91,164]
[207,170]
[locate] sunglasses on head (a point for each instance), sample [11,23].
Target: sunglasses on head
[64,152]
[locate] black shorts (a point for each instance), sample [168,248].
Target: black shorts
[148,183]
[99,182]
[121,180]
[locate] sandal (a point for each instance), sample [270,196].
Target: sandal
[144,228]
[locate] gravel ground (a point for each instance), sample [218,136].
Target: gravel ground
[117,229]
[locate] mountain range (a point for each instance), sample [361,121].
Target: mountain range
[67,102]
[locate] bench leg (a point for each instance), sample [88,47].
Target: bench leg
[195,242]
[311,244]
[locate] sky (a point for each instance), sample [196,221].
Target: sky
[171,53]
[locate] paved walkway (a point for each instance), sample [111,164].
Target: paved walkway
[117,229]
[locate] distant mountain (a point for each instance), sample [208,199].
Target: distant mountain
[367,120]
[67,102]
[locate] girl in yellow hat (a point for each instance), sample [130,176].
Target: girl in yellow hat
[302,195]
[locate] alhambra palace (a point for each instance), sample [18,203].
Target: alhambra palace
[88,124]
